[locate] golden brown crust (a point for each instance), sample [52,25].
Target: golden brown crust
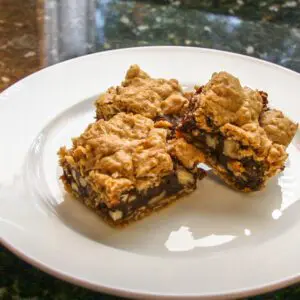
[241,113]
[123,153]
[224,100]
[221,98]
[278,128]
[141,94]
[251,135]
[186,153]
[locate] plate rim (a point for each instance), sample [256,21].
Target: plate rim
[243,56]
[265,288]
[284,282]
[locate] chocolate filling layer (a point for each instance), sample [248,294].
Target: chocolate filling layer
[252,177]
[169,186]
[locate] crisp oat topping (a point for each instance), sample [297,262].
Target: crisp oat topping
[224,100]
[221,98]
[141,94]
[279,128]
[118,146]
[239,113]
[125,152]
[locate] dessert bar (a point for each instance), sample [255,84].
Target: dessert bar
[125,168]
[243,140]
[158,99]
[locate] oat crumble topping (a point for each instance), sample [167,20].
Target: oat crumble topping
[141,94]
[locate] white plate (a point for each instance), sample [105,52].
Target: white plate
[215,243]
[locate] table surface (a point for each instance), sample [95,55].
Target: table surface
[37,33]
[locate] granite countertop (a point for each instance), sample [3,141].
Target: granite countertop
[19,41]
[36,33]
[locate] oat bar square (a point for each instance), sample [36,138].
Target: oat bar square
[243,139]
[158,99]
[125,168]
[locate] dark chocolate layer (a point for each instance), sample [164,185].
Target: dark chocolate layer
[134,199]
[169,186]
[253,176]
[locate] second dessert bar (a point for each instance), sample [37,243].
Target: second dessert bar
[159,99]
[243,140]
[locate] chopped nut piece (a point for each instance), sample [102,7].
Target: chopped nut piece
[231,148]
[74,174]
[157,198]
[116,215]
[211,141]
[74,186]
[184,177]
[82,182]
[124,197]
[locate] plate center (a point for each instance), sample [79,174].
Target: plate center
[213,218]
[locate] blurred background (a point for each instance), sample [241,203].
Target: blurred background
[38,33]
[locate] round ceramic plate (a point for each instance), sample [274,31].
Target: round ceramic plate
[215,243]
